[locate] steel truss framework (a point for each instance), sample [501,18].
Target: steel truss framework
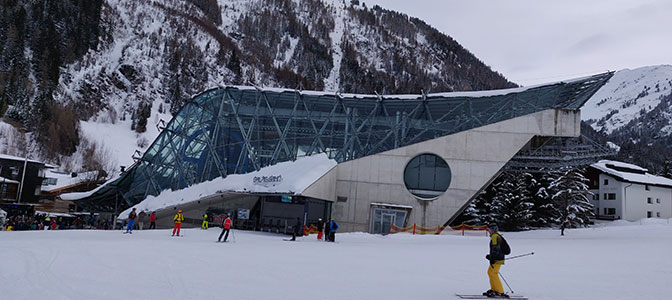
[235,130]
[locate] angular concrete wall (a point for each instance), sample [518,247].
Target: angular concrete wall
[474,156]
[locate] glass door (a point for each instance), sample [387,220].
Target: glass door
[384,218]
[387,221]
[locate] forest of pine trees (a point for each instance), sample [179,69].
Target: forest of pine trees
[519,200]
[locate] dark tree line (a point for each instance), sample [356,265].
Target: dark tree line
[39,37]
[519,201]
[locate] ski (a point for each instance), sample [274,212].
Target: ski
[289,240]
[514,297]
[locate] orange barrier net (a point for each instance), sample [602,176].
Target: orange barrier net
[462,229]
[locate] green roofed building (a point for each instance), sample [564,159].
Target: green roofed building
[368,161]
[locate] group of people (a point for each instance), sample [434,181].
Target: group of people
[130,224]
[226,225]
[330,227]
[44,221]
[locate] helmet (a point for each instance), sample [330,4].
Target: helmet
[493,227]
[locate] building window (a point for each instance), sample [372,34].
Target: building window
[49,181]
[606,182]
[15,171]
[648,214]
[658,200]
[609,211]
[427,176]
[646,187]
[648,200]
[610,196]
[657,214]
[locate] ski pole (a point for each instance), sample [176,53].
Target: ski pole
[517,256]
[507,284]
[233,234]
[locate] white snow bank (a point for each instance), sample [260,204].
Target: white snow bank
[645,221]
[291,177]
[610,263]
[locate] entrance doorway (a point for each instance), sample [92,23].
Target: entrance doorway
[384,218]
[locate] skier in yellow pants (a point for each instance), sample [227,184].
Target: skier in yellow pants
[498,249]
[205,221]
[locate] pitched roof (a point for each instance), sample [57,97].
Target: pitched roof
[631,173]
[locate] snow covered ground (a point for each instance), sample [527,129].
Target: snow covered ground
[618,261]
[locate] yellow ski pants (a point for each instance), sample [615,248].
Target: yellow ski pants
[204,225]
[493,274]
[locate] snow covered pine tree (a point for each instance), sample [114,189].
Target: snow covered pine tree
[570,195]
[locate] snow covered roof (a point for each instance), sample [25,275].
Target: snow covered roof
[7,180]
[630,173]
[65,179]
[81,195]
[291,177]
[51,214]
[391,205]
[11,157]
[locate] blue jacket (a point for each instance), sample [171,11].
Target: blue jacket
[333,226]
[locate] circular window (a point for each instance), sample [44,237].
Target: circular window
[427,176]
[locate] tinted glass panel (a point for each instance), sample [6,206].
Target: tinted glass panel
[427,176]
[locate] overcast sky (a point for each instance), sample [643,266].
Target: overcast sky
[537,41]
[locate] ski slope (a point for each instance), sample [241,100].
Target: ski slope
[618,261]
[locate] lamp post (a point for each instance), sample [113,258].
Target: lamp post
[25,163]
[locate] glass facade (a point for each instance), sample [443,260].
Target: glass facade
[235,130]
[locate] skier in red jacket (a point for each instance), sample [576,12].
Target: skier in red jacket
[226,226]
[152,220]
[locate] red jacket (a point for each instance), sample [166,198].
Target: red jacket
[227,223]
[152,218]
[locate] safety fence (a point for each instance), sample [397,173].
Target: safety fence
[462,229]
[310,229]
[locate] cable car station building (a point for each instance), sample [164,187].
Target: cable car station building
[398,159]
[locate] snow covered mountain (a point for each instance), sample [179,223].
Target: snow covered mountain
[628,95]
[634,111]
[144,59]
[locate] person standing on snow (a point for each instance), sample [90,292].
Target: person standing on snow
[297,228]
[332,230]
[204,225]
[141,219]
[498,249]
[131,221]
[320,227]
[226,226]
[152,220]
[327,230]
[178,219]
[564,225]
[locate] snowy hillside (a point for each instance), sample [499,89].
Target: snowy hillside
[627,95]
[142,60]
[619,261]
